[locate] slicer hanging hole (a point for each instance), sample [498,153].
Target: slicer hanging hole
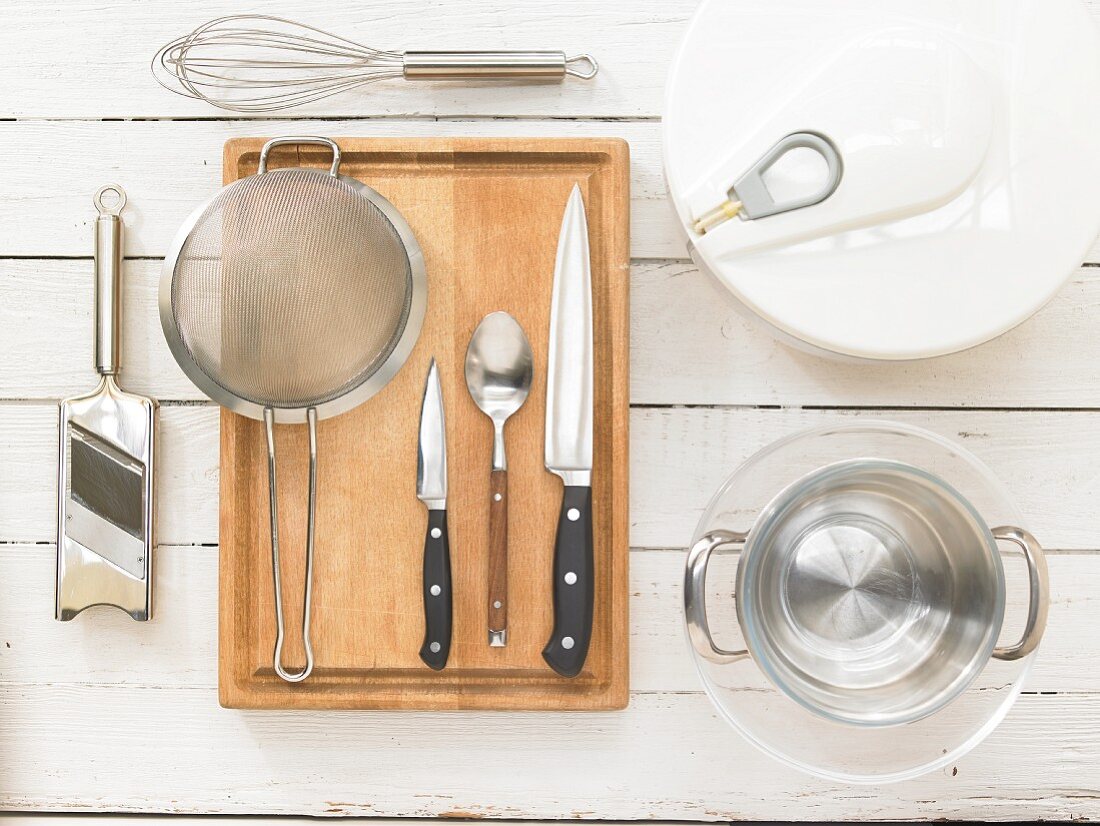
[110,199]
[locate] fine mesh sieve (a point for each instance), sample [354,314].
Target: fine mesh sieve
[291,296]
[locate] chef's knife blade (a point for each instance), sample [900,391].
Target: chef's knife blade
[431,489]
[569,413]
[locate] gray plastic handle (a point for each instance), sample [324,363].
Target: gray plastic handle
[752,192]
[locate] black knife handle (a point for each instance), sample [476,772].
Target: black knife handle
[574,584]
[437,592]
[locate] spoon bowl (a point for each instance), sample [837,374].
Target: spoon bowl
[499,370]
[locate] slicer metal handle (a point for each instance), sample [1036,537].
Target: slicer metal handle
[108,278]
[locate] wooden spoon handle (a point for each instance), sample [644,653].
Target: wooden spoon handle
[498,558]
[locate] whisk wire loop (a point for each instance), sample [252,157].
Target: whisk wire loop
[264,63]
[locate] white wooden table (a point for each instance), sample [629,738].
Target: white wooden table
[106,715]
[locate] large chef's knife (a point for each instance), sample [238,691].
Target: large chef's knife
[431,489]
[569,440]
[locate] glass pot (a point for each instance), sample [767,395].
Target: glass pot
[868,601]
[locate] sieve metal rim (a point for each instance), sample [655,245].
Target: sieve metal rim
[333,407]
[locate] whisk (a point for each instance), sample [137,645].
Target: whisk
[261,63]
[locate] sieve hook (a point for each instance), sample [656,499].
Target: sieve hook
[316,141]
[269,429]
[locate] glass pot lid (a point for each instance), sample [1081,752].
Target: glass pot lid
[868,596]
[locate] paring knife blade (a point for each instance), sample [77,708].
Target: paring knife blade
[569,414]
[431,489]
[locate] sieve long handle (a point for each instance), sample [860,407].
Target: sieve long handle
[545,65]
[300,139]
[269,429]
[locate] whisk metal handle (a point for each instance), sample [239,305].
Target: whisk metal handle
[495,65]
[316,141]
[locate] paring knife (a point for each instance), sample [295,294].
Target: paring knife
[569,415]
[431,489]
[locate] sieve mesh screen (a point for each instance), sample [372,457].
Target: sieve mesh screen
[292,289]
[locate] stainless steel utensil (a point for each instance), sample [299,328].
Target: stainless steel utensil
[870,592]
[291,296]
[499,370]
[431,489]
[858,600]
[569,412]
[261,63]
[106,478]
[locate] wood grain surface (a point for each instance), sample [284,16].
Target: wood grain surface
[496,571]
[105,715]
[487,215]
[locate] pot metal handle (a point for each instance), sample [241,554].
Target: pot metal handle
[312,140]
[695,596]
[1040,593]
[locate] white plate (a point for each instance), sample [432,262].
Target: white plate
[971,170]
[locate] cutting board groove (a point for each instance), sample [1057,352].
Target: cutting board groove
[486,213]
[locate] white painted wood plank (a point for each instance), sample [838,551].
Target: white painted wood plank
[187,474]
[178,647]
[1046,460]
[169,168]
[81,58]
[679,458]
[688,346]
[691,345]
[44,819]
[121,748]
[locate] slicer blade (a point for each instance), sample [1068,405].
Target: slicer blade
[105,495]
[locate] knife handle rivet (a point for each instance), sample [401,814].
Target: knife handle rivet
[567,643]
[573,514]
[570,578]
[436,533]
[435,590]
[497,497]
[498,604]
[434,647]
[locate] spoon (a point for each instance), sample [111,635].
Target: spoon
[499,370]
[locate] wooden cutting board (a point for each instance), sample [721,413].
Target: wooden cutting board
[487,214]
